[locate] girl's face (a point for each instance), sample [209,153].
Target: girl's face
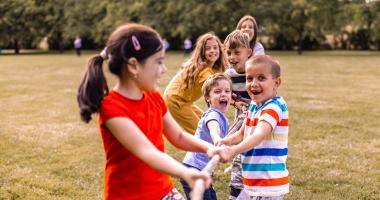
[220,96]
[260,83]
[212,51]
[247,27]
[151,71]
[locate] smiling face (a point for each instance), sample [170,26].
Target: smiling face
[151,71]
[247,27]
[261,85]
[220,96]
[237,58]
[212,51]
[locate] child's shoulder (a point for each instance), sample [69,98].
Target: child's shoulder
[276,102]
[213,113]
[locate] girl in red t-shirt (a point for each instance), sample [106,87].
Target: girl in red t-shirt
[133,116]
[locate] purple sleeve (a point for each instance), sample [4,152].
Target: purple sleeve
[213,115]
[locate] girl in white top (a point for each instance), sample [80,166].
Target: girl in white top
[248,25]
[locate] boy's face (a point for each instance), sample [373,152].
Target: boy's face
[220,96]
[237,58]
[260,83]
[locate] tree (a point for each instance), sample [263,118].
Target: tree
[20,23]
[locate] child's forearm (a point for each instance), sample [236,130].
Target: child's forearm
[188,142]
[236,137]
[181,139]
[262,129]
[213,127]
[163,163]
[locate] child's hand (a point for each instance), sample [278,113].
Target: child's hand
[241,105]
[191,175]
[224,152]
[222,142]
[243,115]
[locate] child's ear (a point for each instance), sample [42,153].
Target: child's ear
[132,66]
[249,50]
[278,82]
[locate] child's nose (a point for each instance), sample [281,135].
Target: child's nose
[254,82]
[163,69]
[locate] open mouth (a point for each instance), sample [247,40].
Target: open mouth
[223,102]
[234,63]
[256,92]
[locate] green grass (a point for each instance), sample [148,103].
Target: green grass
[46,152]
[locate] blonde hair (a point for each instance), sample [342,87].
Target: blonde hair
[211,82]
[236,39]
[198,61]
[255,28]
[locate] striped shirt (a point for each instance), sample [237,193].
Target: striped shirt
[238,83]
[264,166]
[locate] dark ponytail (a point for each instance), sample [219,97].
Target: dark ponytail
[127,41]
[92,89]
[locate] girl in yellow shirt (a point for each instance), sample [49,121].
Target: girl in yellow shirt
[185,88]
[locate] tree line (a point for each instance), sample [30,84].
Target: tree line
[283,25]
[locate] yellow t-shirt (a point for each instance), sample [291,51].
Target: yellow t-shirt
[176,87]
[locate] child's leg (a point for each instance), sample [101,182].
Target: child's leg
[236,183]
[209,194]
[186,189]
[187,115]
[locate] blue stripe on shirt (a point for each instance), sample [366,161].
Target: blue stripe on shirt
[266,152]
[264,167]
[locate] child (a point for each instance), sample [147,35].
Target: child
[264,148]
[185,88]
[238,50]
[213,125]
[248,25]
[133,116]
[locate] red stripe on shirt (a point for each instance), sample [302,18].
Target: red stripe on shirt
[271,113]
[266,182]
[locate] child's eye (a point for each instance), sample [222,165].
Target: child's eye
[261,78]
[248,79]
[217,91]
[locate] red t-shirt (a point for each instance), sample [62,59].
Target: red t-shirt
[126,176]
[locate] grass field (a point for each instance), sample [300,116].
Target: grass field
[46,152]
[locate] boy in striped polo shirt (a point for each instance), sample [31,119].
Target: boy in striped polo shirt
[263,140]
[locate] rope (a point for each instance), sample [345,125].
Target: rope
[199,185]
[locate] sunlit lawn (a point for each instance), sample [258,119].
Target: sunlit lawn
[46,152]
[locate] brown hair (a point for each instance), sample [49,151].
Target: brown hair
[127,41]
[198,61]
[255,28]
[236,39]
[268,61]
[211,82]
